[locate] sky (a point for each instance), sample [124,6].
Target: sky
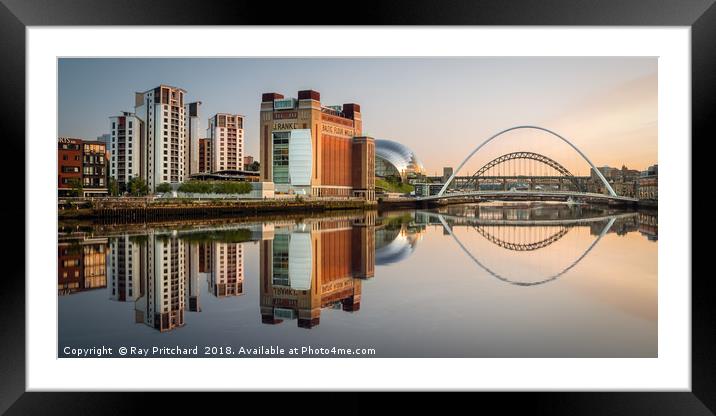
[441,108]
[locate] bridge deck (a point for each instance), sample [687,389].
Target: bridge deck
[537,194]
[475,221]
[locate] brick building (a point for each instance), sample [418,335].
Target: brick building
[69,165]
[311,149]
[81,164]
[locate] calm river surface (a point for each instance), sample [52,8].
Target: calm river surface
[488,280]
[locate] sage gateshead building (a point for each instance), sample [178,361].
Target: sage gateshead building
[393,159]
[311,149]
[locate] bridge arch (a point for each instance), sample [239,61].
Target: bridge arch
[547,161]
[594,168]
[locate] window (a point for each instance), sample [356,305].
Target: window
[280,157]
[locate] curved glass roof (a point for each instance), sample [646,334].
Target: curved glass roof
[393,246]
[394,252]
[399,156]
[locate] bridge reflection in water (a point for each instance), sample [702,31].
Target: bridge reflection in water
[524,244]
[289,272]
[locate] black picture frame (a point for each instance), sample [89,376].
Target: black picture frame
[15,15]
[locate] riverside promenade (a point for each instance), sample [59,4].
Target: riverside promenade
[131,209]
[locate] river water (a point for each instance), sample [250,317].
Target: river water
[487,280]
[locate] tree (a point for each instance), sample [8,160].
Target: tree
[253,166]
[76,186]
[113,187]
[164,187]
[215,187]
[196,187]
[138,187]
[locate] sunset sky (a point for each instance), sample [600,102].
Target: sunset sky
[439,107]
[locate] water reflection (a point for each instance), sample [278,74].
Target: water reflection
[305,267]
[310,266]
[525,227]
[162,274]
[81,265]
[397,238]
[525,235]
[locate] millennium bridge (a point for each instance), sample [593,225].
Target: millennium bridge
[525,176]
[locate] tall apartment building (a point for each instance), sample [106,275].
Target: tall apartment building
[163,115]
[191,117]
[226,133]
[308,148]
[204,155]
[126,148]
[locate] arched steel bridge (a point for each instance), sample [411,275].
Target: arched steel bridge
[505,159]
[541,194]
[518,282]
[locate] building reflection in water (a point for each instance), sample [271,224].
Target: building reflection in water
[396,238]
[123,264]
[161,302]
[81,265]
[314,265]
[193,277]
[162,275]
[226,273]
[649,225]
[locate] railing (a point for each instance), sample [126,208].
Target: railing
[523,193]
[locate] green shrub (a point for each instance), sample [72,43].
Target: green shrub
[232,187]
[217,187]
[164,187]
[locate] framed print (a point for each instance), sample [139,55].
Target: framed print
[452,197]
